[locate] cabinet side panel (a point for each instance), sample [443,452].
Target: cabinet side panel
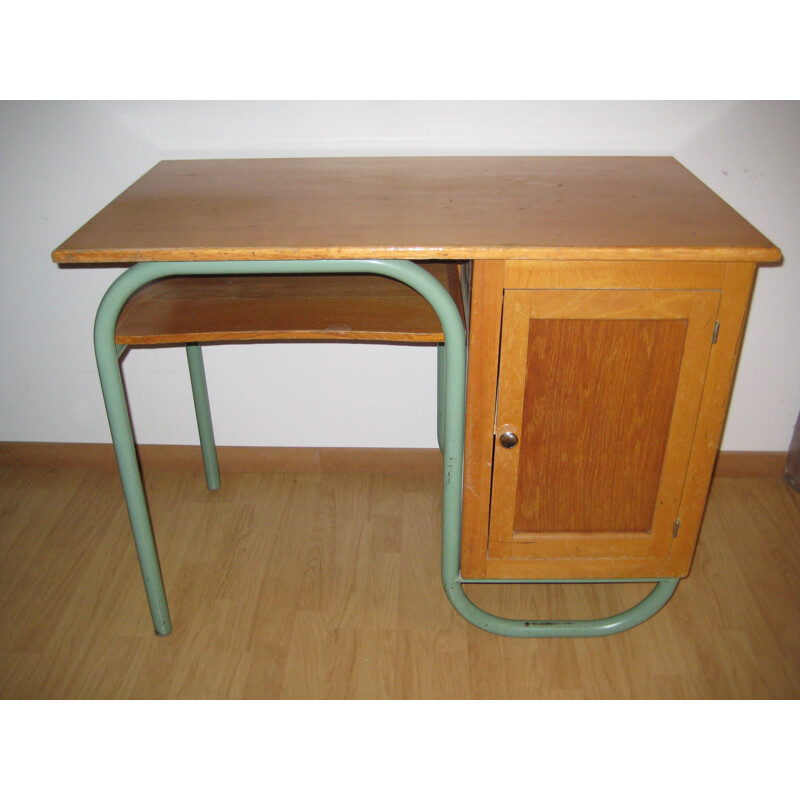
[596,417]
[486,307]
[736,295]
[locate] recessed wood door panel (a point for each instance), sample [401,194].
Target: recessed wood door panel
[611,405]
[602,389]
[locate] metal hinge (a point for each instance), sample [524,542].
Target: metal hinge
[715,333]
[675,529]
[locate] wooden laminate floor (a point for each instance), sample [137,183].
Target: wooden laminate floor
[327,586]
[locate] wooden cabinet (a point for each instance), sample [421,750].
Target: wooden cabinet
[593,456]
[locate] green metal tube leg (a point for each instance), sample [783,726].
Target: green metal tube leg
[116,407]
[440,389]
[122,437]
[197,375]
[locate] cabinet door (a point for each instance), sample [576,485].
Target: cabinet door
[601,389]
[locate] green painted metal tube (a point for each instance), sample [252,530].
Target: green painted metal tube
[542,629]
[122,436]
[119,421]
[451,419]
[121,348]
[197,375]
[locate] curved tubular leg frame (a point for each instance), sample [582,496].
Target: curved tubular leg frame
[451,378]
[550,629]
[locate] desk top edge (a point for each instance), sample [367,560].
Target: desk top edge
[765,256]
[419,207]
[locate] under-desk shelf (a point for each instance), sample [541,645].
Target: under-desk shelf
[363,308]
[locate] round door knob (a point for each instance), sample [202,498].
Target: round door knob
[509,440]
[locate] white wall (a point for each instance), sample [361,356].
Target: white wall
[61,162]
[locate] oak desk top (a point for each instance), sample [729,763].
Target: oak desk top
[452,207]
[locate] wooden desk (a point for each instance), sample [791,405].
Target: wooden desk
[606,300]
